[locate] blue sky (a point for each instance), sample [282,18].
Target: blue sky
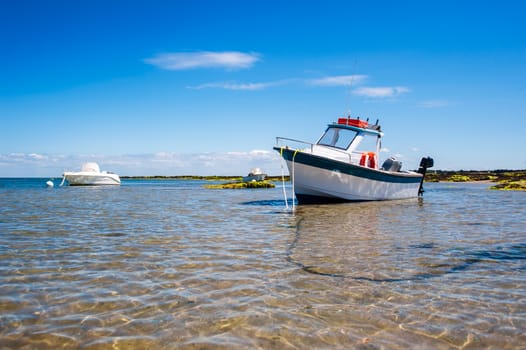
[204,87]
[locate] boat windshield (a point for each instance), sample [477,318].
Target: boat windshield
[337,137]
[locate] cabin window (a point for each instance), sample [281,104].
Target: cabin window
[368,144]
[336,137]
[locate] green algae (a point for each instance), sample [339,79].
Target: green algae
[198,177]
[240,185]
[460,178]
[474,176]
[519,185]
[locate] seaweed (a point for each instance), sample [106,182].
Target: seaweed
[239,185]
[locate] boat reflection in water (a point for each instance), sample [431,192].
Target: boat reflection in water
[339,240]
[416,273]
[370,241]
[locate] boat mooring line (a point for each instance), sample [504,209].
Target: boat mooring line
[283,181]
[292,180]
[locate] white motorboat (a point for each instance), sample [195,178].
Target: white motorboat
[343,166]
[90,175]
[254,175]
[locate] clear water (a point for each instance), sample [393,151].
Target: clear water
[170,264]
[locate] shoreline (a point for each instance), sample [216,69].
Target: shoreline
[489,176]
[495,179]
[200,177]
[501,179]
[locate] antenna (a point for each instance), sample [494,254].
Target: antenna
[350,87]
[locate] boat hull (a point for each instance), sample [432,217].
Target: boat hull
[87,179]
[257,177]
[320,180]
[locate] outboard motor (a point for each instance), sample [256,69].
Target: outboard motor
[425,162]
[391,164]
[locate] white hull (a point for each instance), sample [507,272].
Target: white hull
[257,177]
[317,184]
[343,166]
[91,179]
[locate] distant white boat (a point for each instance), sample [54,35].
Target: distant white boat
[255,175]
[90,175]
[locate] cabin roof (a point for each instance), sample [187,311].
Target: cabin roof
[367,130]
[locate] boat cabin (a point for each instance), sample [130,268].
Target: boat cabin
[351,140]
[343,166]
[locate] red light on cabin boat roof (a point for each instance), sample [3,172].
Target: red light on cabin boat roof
[353,122]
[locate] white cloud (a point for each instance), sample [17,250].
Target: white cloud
[204,59]
[381,91]
[329,81]
[161,163]
[262,153]
[237,86]
[338,80]
[37,156]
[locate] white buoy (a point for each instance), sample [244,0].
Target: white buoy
[49,183]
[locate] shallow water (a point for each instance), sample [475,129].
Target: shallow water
[170,264]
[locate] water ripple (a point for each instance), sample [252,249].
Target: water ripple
[169,264]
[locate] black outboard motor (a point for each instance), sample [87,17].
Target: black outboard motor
[425,162]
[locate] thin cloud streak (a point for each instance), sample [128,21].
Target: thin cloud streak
[204,59]
[240,86]
[381,92]
[329,81]
[240,60]
[338,80]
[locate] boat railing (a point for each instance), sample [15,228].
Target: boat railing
[284,142]
[331,152]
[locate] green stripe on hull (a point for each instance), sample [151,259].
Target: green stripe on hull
[346,168]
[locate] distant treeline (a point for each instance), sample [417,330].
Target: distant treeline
[196,177]
[431,176]
[503,178]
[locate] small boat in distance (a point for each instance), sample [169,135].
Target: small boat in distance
[343,166]
[254,175]
[90,175]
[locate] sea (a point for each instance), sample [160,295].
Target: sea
[170,264]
